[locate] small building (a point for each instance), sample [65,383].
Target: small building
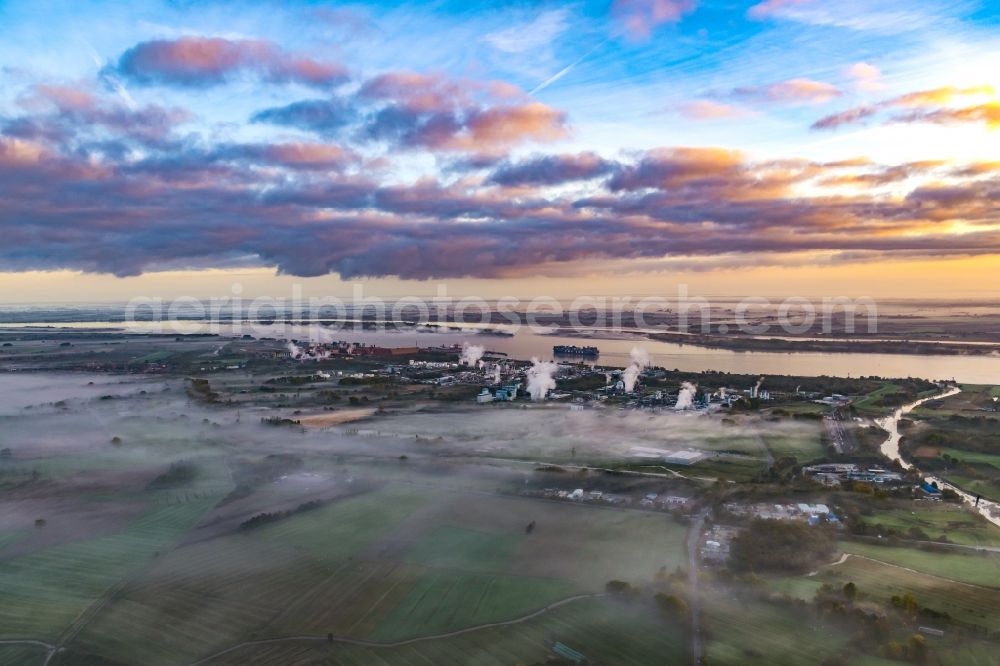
[683,457]
[568,653]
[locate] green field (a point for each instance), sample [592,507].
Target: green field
[724,467]
[46,590]
[453,547]
[605,631]
[975,568]
[977,486]
[877,581]
[804,446]
[973,456]
[958,525]
[869,403]
[751,631]
[336,531]
[443,601]
[401,562]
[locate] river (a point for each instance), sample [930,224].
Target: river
[526,343]
[890,449]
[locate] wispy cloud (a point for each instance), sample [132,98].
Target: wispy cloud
[704,109]
[792,91]
[533,35]
[866,77]
[639,18]
[929,108]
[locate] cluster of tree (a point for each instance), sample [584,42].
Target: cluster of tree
[780,413]
[667,592]
[784,470]
[378,380]
[897,398]
[274,516]
[622,589]
[914,650]
[781,546]
[249,474]
[179,473]
[328,396]
[295,380]
[279,421]
[200,390]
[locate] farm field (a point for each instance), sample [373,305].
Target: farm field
[605,631]
[143,521]
[965,603]
[750,631]
[975,568]
[21,655]
[870,404]
[977,485]
[956,524]
[804,445]
[401,562]
[46,590]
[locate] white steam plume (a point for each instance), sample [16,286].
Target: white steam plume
[540,380]
[640,360]
[685,397]
[496,373]
[307,354]
[471,354]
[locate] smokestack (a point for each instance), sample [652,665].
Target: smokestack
[540,380]
[471,354]
[685,397]
[640,359]
[756,389]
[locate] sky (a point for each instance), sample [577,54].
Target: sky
[509,148]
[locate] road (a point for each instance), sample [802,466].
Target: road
[841,440]
[694,598]
[50,649]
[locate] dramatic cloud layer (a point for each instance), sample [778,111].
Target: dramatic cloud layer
[310,208]
[210,151]
[433,112]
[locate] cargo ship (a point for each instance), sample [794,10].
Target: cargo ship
[573,350]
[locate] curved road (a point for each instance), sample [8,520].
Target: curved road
[49,648]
